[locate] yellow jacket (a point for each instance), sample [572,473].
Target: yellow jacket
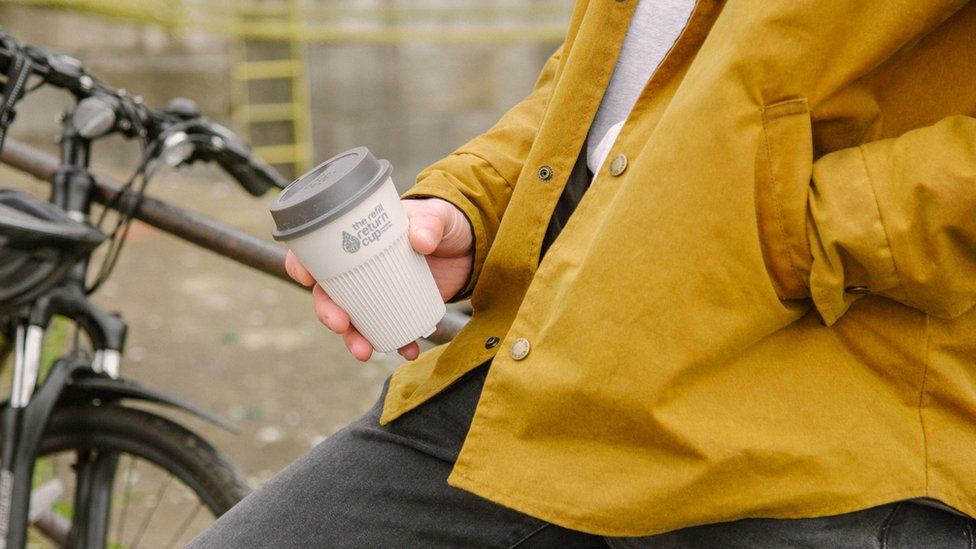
[768,313]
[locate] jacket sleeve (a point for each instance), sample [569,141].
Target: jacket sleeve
[479,177]
[896,217]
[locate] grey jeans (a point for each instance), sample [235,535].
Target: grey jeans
[386,486]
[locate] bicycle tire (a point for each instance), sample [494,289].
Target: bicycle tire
[155,439]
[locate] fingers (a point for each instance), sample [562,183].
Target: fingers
[337,320]
[458,239]
[297,271]
[361,349]
[450,273]
[410,351]
[437,227]
[329,314]
[357,344]
[426,230]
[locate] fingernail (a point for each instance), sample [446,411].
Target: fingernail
[426,235]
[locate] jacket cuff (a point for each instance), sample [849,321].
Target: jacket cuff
[437,185]
[849,244]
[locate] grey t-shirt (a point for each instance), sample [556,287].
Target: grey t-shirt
[654,28]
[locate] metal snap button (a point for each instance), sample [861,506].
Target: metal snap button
[492,342]
[545,173]
[520,349]
[858,290]
[618,165]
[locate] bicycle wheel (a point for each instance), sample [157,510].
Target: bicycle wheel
[169,483]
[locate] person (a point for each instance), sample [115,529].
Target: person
[722,263]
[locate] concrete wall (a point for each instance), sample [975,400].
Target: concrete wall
[145,60]
[410,103]
[414,104]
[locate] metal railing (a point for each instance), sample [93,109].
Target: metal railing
[292,69]
[296,23]
[538,21]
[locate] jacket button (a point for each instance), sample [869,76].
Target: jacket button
[545,173]
[858,290]
[520,349]
[618,165]
[492,342]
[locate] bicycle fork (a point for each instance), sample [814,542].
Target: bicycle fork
[13,487]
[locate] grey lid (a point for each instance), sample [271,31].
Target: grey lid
[329,190]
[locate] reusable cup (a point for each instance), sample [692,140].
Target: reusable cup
[345,223]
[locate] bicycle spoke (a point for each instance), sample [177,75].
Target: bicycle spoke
[56,465]
[102,490]
[126,498]
[159,499]
[185,525]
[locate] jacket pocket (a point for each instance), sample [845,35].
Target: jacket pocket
[784,167]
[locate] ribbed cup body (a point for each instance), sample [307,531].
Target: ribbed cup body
[391,298]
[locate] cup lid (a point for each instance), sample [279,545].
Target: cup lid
[327,191]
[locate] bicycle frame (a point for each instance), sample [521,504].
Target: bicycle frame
[73,188]
[71,191]
[26,414]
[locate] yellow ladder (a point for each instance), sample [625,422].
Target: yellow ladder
[249,73]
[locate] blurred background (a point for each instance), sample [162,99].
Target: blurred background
[303,80]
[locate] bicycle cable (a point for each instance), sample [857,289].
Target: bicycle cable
[117,236]
[20,67]
[19,72]
[147,168]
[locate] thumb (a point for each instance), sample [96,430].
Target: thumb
[426,231]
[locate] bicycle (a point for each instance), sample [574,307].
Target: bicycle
[80,407]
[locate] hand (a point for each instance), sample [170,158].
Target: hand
[439,231]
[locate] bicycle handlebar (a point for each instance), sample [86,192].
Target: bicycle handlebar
[236,158]
[109,110]
[57,69]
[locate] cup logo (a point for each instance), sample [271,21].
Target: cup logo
[350,243]
[367,230]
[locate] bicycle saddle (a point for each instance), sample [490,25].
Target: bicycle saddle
[38,244]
